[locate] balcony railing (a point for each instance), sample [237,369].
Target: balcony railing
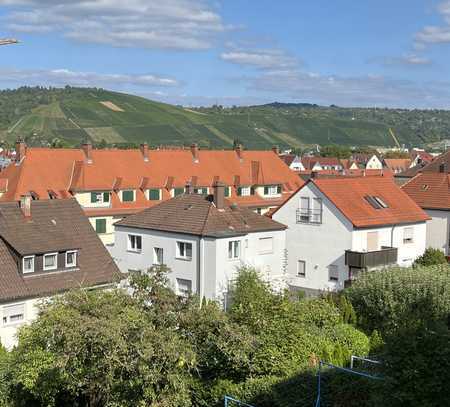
[383,257]
[313,216]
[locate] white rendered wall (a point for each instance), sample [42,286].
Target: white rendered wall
[438,230]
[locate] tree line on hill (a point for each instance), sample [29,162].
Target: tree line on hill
[152,347]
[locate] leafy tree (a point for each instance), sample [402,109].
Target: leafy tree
[431,257]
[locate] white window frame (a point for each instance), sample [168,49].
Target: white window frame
[46,268]
[265,251]
[178,251]
[246,191]
[127,190]
[100,200]
[330,267]
[129,243]
[234,249]
[156,262]
[23,264]
[408,240]
[181,293]
[304,269]
[75,253]
[272,190]
[8,321]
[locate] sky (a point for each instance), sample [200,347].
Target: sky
[393,53]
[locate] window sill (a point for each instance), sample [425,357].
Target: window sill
[271,252]
[184,258]
[234,259]
[134,251]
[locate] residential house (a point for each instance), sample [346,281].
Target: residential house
[203,239]
[321,163]
[420,157]
[294,162]
[368,161]
[397,165]
[339,227]
[111,183]
[46,247]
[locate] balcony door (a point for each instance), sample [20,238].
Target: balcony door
[372,241]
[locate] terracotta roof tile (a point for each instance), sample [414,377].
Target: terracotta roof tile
[430,190]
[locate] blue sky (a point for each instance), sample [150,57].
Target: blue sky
[200,52]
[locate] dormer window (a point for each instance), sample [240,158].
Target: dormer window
[71,258]
[100,197]
[177,191]
[201,191]
[154,194]
[50,261]
[28,264]
[271,190]
[244,191]
[227,192]
[128,195]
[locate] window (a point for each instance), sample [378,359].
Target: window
[100,225]
[316,214]
[184,250]
[184,287]
[28,264]
[154,194]
[265,245]
[301,268]
[100,197]
[50,261]
[408,235]
[310,210]
[304,209]
[178,191]
[158,256]
[227,192]
[201,191]
[13,313]
[376,202]
[272,190]
[128,196]
[134,243]
[71,258]
[234,249]
[243,191]
[333,272]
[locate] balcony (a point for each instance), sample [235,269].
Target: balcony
[383,257]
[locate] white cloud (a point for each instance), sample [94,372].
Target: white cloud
[173,24]
[263,58]
[370,90]
[436,34]
[407,59]
[62,77]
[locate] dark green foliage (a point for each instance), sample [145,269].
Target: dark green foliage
[431,257]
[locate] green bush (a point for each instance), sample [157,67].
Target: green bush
[431,257]
[388,299]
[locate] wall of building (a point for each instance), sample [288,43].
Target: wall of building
[438,230]
[84,199]
[374,163]
[392,236]
[108,237]
[319,245]
[8,332]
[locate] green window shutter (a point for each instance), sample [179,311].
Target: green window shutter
[227,191]
[127,196]
[204,191]
[94,197]
[279,189]
[153,194]
[105,196]
[252,191]
[239,191]
[100,225]
[178,191]
[266,190]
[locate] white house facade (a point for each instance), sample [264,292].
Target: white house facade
[326,247]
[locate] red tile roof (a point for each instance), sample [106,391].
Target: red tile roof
[430,190]
[397,164]
[348,195]
[66,170]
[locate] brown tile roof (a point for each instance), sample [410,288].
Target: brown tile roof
[54,225]
[64,170]
[397,164]
[309,162]
[348,195]
[430,190]
[197,215]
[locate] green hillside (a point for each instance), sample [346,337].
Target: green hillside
[67,116]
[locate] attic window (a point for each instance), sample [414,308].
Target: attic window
[425,187]
[376,202]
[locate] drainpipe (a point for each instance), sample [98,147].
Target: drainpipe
[392,239]
[200,268]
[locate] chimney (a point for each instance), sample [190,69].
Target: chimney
[194,151]
[314,174]
[188,188]
[144,151]
[21,149]
[87,148]
[238,150]
[276,150]
[442,167]
[219,195]
[25,205]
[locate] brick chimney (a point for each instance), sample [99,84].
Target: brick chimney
[194,151]
[219,195]
[238,150]
[21,150]
[144,150]
[276,150]
[25,205]
[87,148]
